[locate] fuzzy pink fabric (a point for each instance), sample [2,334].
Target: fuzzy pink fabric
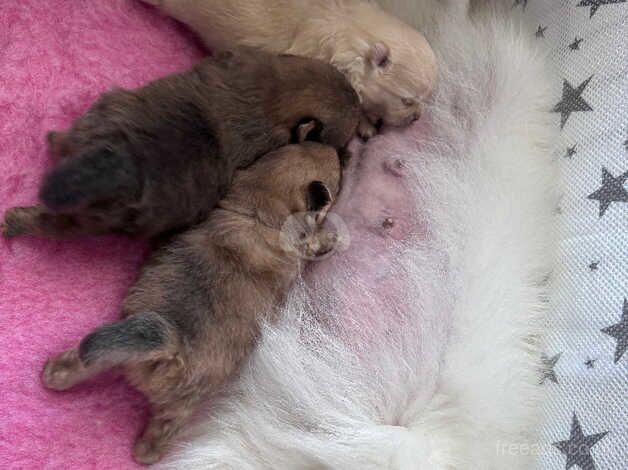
[56,57]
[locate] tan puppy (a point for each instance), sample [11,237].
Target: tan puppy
[391,65]
[193,315]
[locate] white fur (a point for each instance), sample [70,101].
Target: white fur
[452,379]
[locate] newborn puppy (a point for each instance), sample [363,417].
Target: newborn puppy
[157,159]
[193,315]
[391,65]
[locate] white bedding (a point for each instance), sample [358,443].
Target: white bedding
[587,362]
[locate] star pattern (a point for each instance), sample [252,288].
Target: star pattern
[572,101]
[578,447]
[585,377]
[575,45]
[548,368]
[590,363]
[595,4]
[612,190]
[619,331]
[540,31]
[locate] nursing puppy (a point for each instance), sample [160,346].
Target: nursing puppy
[152,160]
[391,65]
[193,315]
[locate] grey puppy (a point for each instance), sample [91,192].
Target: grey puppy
[194,314]
[158,158]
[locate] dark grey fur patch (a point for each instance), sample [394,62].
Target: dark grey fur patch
[136,334]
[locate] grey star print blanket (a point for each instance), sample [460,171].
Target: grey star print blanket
[586,361]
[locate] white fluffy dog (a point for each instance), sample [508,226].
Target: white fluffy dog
[423,355]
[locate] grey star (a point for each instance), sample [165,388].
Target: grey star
[590,363]
[575,45]
[619,331]
[578,447]
[595,4]
[520,2]
[612,190]
[548,368]
[540,32]
[572,101]
[571,151]
[593,266]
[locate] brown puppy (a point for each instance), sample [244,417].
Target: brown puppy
[193,315]
[158,158]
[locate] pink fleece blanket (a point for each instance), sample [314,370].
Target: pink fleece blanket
[56,57]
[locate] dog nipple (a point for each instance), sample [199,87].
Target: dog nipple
[388,223]
[396,166]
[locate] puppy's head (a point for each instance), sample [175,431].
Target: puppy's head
[295,179]
[314,101]
[390,64]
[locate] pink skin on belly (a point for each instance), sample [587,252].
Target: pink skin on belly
[380,212]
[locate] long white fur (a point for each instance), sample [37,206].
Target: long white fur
[452,380]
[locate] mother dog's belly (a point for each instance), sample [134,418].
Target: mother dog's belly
[380,283]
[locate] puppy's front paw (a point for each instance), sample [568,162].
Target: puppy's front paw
[366,130]
[61,372]
[146,451]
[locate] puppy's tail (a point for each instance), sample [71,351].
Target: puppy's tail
[123,341]
[85,179]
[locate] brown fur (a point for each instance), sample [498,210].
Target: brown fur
[157,159]
[193,315]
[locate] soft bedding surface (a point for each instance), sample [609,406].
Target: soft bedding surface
[56,57]
[586,358]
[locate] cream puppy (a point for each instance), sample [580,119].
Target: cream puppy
[390,65]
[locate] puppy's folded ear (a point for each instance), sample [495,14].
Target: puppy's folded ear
[307,129]
[379,54]
[319,199]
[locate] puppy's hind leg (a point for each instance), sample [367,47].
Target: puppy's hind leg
[164,426]
[36,220]
[139,337]
[175,388]
[66,370]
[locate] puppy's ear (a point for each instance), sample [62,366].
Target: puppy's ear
[308,129]
[379,55]
[319,199]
